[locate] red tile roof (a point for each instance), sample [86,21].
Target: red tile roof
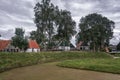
[33,44]
[4,44]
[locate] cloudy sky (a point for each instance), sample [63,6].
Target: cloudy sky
[19,13]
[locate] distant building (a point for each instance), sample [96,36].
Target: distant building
[33,46]
[112,47]
[82,46]
[64,46]
[5,46]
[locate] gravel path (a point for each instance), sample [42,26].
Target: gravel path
[49,71]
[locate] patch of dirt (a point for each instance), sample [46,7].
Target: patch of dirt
[49,71]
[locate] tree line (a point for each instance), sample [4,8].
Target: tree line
[55,26]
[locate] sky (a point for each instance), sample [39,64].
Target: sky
[19,13]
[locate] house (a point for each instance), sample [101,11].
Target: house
[82,46]
[33,46]
[113,47]
[5,46]
[64,46]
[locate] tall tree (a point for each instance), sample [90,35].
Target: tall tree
[44,20]
[96,30]
[66,26]
[49,18]
[19,40]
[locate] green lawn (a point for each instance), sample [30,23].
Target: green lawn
[13,60]
[117,55]
[102,65]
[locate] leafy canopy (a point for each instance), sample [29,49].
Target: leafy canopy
[96,30]
[19,40]
[52,24]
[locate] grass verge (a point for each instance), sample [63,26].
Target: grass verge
[102,65]
[13,60]
[117,55]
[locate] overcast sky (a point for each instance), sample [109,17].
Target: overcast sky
[19,13]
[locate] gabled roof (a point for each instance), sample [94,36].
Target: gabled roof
[4,44]
[33,44]
[79,44]
[84,44]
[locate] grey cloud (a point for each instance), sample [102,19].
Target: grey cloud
[116,38]
[16,13]
[16,7]
[19,13]
[7,34]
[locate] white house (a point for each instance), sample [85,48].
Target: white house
[33,46]
[64,45]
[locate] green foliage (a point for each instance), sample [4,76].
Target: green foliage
[103,65]
[19,32]
[35,36]
[96,30]
[52,24]
[13,60]
[44,20]
[19,40]
[66,26]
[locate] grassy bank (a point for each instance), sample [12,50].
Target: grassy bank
[117,55]
[13,60]
[102,65]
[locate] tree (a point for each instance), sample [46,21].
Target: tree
[118,46]
[19,40]
[49,18]
[96,30]
[44,20]
[66,26]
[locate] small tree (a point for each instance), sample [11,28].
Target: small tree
[19,40]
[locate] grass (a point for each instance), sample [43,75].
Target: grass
[13,60]
[102,65]
[117,55]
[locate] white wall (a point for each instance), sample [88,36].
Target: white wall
[32,50]
[66,48]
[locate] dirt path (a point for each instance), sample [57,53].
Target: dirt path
[49,71]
